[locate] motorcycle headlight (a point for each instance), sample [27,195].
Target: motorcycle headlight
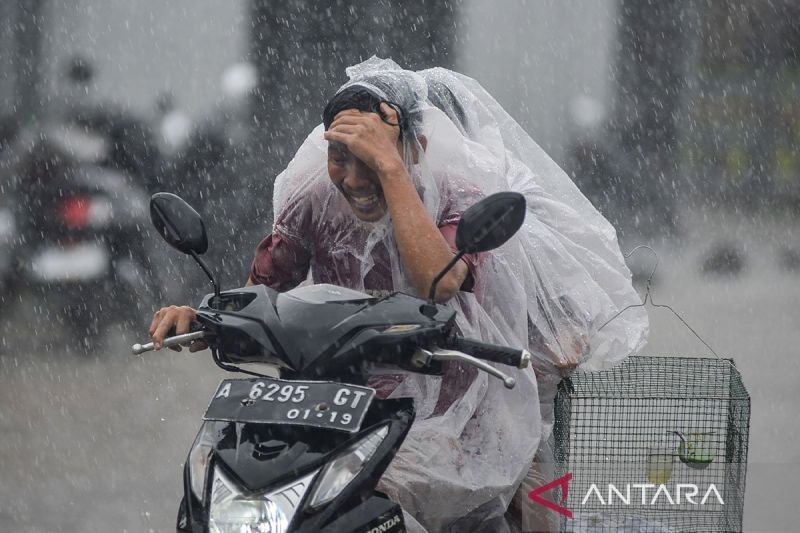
[231,511]
[199,457]
[342,470]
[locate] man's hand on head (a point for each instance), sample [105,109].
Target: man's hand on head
[369,138]
[375,142]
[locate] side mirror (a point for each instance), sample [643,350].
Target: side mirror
[178,223]
[485,226]
[183,228]
[491,222]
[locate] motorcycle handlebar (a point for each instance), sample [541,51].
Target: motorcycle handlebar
[424,357]
[169,341]
[491,352]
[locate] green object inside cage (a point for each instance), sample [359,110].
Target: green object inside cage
[680,422]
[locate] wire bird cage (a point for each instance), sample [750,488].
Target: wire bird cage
[674,421]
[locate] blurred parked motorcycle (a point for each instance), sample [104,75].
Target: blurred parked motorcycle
[79,221]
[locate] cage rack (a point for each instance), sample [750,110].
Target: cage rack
[678,421]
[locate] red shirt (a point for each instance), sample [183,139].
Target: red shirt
[282,264]
[305,235]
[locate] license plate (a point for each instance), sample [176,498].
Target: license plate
[78,262]
[302,403]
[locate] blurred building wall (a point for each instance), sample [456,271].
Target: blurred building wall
[7,48]
[19,36]
[537,57]
[302,47]
[145,47]
[534,57]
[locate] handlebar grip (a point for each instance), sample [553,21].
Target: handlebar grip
[196,332]
[138,349]
[193,327]
[491,352]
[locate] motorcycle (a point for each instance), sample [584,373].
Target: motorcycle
[303,452]
[79,222]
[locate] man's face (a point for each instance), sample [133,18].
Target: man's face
[357,182]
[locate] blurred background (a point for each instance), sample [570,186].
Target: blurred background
[680,120]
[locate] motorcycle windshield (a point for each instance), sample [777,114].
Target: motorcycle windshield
[325,293]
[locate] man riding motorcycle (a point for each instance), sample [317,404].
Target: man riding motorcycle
[370,202]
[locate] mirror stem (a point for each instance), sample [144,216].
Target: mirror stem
[440,275]
[207,270]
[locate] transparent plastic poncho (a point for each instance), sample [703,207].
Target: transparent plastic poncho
[548,289]
[579,276]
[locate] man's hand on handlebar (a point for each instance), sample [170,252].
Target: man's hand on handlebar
[174,320]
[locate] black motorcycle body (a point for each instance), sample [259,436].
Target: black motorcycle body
[311,333]
[306,451]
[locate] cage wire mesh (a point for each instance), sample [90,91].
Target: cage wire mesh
[678,421]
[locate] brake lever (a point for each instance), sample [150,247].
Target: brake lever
[423,357]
